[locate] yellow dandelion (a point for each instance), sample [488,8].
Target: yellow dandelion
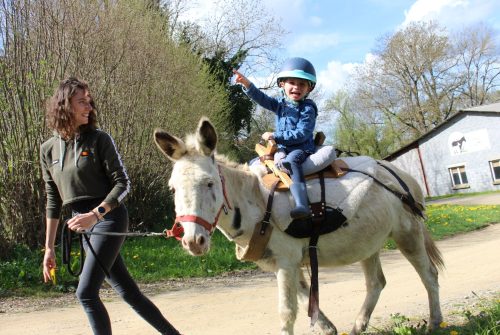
[443,324]
[453,332]
[53,275]
[344,334]
[135,256]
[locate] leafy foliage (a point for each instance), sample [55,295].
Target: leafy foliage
[417,78]
[139,78]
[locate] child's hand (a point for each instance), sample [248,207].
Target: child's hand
[241,79]
[267,136]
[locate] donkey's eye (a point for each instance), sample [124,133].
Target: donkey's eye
[172,190]
[210,184]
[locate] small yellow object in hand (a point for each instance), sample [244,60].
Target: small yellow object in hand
[53,275]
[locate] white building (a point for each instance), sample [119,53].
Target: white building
[460,155]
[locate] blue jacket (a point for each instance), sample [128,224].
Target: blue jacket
[294,122]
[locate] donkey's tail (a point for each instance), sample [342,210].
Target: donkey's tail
[432,250]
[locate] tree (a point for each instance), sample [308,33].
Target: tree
[140,78]
[480,64]
[233,27]
[411,79]
[360,133]
[238,34]
[236,118]
[419,77]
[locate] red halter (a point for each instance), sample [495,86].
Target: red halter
[177,229]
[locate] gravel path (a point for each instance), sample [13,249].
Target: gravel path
[245,303]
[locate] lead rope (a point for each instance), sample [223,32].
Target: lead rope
[67,238]
[66,241]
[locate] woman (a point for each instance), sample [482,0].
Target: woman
[82,168]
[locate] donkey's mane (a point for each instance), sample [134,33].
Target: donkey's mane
[193,148]
[224,160]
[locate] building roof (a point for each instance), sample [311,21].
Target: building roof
[491,108]
[485,108]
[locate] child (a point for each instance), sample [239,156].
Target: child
[295,122]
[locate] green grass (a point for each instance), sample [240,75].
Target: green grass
[154,259]
[448,220]
[151,259]
[148,259]
[459,195]
[484,320]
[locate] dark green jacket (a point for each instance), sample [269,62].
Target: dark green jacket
[88,167]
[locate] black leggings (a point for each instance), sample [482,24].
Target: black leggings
[107,249]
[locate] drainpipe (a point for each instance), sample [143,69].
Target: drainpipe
[423,170]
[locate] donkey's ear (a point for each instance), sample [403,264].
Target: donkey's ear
[173,147]
[206,136]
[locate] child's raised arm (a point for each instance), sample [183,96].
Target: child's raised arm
[241,79]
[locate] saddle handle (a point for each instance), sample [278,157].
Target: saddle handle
[266,156]
[268,147]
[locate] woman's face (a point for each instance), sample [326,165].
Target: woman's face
[80,106]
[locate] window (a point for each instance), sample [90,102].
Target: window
[458,177]
[495,171]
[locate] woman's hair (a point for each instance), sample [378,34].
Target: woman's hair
[59,114]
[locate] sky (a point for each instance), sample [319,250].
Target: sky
[337,35]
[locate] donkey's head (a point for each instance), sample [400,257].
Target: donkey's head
[196,183]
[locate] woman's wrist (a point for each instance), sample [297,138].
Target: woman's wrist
[97,216]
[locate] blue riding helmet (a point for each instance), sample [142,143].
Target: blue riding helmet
[298,68]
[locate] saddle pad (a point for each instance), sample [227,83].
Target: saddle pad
[344,194]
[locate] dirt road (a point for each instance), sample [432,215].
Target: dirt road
[248,306]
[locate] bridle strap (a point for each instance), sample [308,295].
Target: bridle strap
[223,182]
[177,229]
[196,219]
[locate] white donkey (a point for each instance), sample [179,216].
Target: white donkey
[205,183]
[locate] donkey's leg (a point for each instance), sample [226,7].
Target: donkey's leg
[413,246]
[324,323]
[287,295]
[375,282]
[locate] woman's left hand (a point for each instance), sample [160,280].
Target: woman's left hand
[83,221]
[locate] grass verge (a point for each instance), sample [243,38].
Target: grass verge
[480,319]
[154,258]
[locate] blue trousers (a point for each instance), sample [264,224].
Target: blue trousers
[293,164]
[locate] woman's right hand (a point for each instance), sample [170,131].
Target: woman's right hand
[49,263]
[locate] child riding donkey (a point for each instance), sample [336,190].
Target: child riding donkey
[294,123]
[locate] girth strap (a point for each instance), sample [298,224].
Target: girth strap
[269,208]
[261,234]
[405,198]
[313,309]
